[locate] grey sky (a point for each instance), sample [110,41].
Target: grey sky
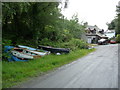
[95,12]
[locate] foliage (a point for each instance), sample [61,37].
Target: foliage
[118,24]
[75,44]
[39,23]
[6,42]
[28,20]
[34,23]
[118,38]
[112,25]
[115,23]
[75,29]
[15,72]
[117,20]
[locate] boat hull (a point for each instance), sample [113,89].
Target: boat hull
[54,50]
[21,55]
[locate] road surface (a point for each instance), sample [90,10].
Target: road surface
[99,69]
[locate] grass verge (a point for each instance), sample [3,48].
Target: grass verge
[15,72]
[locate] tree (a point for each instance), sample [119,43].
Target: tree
[112,25]
[75,28]
[115,23]
[35,23]
[28,20]
[118,38]
[118,20]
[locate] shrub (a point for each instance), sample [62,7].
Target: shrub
[48,42]
[6,42]
[75,44]
[118,38]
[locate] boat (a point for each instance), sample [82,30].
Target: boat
[11,57]
[54,50]
[30,52]
[21,55]
[34,50]
[29,48]
[24,53]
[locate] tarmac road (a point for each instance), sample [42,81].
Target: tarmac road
[96,70]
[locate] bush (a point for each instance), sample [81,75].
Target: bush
[6,42]
[75,44]
[48,42]
[118,38]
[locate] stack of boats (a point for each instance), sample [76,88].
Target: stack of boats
[26,53]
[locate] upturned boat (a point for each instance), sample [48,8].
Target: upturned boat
[54,50]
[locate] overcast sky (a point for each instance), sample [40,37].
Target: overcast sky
[95,12]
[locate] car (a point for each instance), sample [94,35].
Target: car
[113,42]
[102,41]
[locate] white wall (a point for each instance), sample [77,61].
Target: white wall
[110,35]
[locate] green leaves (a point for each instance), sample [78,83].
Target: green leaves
[39,22]
[115,23]
[118,38]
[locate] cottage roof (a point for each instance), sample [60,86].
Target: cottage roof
[92,27]
[110,31]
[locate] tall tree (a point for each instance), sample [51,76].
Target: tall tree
[112,24]
[118,19]
[28,20]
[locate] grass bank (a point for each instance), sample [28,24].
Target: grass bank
[16,72]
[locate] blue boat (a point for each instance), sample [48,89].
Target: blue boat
[29,48]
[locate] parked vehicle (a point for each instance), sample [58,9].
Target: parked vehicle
[54,50]
[113,42]
[102,41]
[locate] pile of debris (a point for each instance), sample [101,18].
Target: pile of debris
[25,53]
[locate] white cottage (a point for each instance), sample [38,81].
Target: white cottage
[93,34]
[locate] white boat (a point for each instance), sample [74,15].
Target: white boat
[24,53]
[21,55]
[35,52]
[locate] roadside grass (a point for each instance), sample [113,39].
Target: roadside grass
[14,73]
[93,45]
